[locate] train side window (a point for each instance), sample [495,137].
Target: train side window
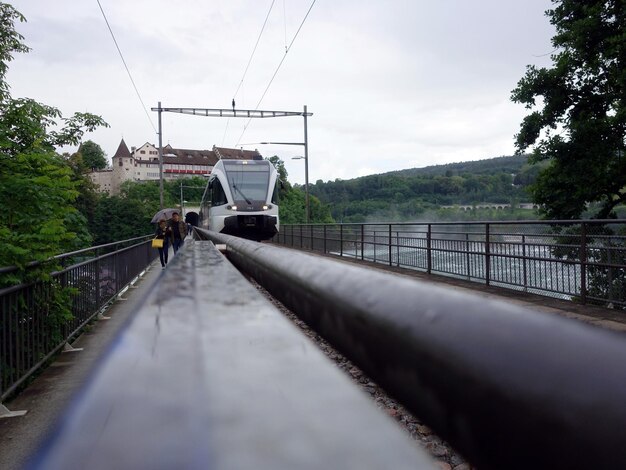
[218,196]
[277,187]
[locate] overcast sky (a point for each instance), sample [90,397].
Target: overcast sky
[391,84]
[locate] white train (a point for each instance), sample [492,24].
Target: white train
[241,198]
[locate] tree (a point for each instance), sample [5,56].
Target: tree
[578,113]
[94,157]
[120,218]
[284,184]
[292,209]
[37,191]
[10,42]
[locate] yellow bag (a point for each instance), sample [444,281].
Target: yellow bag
[157,243]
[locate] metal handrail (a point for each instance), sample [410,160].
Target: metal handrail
[32,264]
[449,251]
[27,341]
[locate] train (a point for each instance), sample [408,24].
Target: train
[241,199]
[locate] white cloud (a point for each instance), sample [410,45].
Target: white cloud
[392,85]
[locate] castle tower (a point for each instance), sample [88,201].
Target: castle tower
[123,167]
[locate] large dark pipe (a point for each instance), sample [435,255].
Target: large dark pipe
[507,386]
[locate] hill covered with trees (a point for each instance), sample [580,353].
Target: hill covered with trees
[419,192]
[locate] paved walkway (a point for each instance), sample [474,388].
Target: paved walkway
[54,388]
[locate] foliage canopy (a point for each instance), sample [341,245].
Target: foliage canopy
[93,156]
[37,188]
[578,109]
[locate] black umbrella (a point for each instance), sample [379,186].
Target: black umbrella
[164,214]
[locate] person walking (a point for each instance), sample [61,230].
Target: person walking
[163,232]
[179,231]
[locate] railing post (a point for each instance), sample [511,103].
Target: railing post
[324,238]
[375,245]
[467,255]
[524,261]
[389,242]
[301,236]
[362,242]
[397,248]
[429,259]
[583,263]
[487,255]
[609,262]
[98,283]
[341,240]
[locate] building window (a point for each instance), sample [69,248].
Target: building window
[121,163]
[142,151]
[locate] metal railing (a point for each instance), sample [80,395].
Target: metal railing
[31,327]
[583,260]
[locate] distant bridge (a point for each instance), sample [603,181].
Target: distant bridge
[491,205]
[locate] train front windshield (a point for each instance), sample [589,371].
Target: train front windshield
[248,181]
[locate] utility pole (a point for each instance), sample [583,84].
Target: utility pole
[160,157]
[306,168]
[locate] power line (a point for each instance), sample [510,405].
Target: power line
[285,22]
[245,127]
[126,67]
[248,65]
[254,50]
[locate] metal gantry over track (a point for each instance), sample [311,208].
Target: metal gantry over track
[238,113]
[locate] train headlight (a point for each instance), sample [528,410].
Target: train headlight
[267,207]
[232,208]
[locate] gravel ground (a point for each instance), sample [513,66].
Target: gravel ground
[445,457]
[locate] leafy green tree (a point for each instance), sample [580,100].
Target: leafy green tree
[37,191]
[193,189]
[578,117]
[280,168]
[284,184]
[87,198]
[119,218]
[10,42]
[94,157]
[36,187]
[292,209]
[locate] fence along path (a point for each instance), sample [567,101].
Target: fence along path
[30,330]
[583,260]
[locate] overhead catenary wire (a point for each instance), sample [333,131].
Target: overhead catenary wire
[287,49]
[245,72]
[126,67]
[254,50]
[285,22]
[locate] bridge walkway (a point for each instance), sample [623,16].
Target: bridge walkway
[50,392]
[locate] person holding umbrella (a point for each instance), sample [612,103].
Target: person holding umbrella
[179,231]
[163,232]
